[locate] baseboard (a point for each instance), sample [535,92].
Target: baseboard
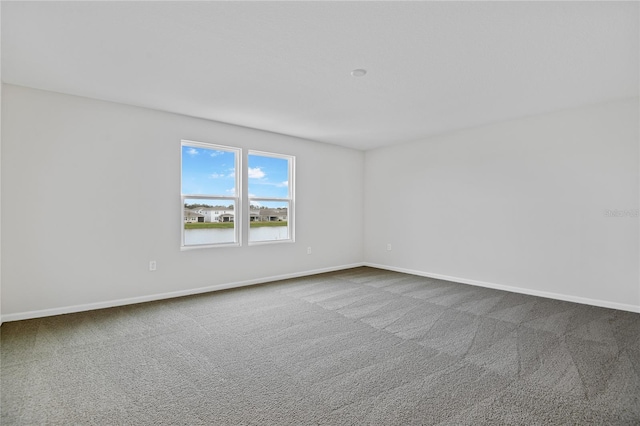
[170,295]
[161,296]
[549,295]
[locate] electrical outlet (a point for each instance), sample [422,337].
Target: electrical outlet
[152,265]
[388,247]
[308,250]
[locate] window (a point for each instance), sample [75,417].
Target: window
[212,202]
[270,197]
[210,194]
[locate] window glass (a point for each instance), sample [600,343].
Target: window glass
[210,194]
[270,197]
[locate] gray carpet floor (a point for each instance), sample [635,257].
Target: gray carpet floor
[360,346]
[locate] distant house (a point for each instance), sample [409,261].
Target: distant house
[272,215]
[192,217]
[226,217]
[212,214]
[225,214]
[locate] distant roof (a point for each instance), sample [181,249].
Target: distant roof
[272,212]
[191,213]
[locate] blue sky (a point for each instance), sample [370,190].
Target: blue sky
[268,176]
[208,171]
[212,172]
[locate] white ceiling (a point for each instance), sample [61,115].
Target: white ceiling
[285,67]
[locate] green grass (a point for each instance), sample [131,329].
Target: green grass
[260,224]
[227,225]
[202,225]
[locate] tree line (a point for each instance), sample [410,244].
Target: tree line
[229,207]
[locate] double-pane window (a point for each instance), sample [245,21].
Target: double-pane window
[212,201]
[210,194]
[270,197]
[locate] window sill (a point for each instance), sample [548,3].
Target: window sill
[206,246]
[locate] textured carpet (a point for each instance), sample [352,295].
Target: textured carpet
[361,346]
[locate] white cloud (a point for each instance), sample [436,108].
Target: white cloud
[216,153]
[192,151]
[216,175]
[256,173]
[283,184]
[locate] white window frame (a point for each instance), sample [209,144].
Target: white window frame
[290,199]
[236,198]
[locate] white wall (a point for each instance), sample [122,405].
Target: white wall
[519,204]
[74,170]
[0,176]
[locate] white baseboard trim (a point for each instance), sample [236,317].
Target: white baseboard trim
[170,295]
[549,295]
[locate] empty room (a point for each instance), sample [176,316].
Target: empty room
[320,213]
